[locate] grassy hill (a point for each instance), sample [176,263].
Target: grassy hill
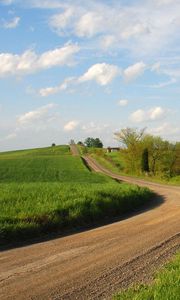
[54,164]
[48,189]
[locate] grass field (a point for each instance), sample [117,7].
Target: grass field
[44,190]
[166,285]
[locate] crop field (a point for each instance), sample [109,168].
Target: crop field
[48,189]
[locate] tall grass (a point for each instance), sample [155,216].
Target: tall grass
[40,193]
[38,207]
[60,168]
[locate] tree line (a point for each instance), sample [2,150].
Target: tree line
[143,152]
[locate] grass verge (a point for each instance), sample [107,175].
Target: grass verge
[166,285]
[114,164]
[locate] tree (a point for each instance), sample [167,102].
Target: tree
[148,153]
[169,159]
[95,143]
[162,155]
[129,136]
[145,161]
[88,142]
[131,139]
[53,145]
[80,143]
[98,143]
[176,166]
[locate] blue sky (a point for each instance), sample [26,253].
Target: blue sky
[73,69]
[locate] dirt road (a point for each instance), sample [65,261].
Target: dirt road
[96,263]
[74,150]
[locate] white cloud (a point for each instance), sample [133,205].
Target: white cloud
[108,41]
[60,21]
[152,114]
[133,31]
[167,67]
[40,114]
[134,71]
[71,125]
[173,72]
[165,2]
[90,24]
[138,116]
[163,84]
[156,113]
[42,4]
[11,24]
[31,125]
[142,27]
[166,130]
[45,92]
[123,102]
[93,127]
[30,62]
[6,2]
[156,67]
[102,73]
[82,21]
[11,136]
[46,4]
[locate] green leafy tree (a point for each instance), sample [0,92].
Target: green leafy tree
[176,166]
[169,159]
[129,137]
[80,143]
[95,143]
[131,140]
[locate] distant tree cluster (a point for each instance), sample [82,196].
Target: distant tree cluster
[149,154]
[91,143]
[80,143]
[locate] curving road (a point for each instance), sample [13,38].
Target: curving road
[96,263]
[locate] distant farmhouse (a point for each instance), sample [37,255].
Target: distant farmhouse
[113,149]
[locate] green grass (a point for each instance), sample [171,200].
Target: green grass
[60,168]
[114,162]
[59,150]
[47,189]
[166,285]
[107,162]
